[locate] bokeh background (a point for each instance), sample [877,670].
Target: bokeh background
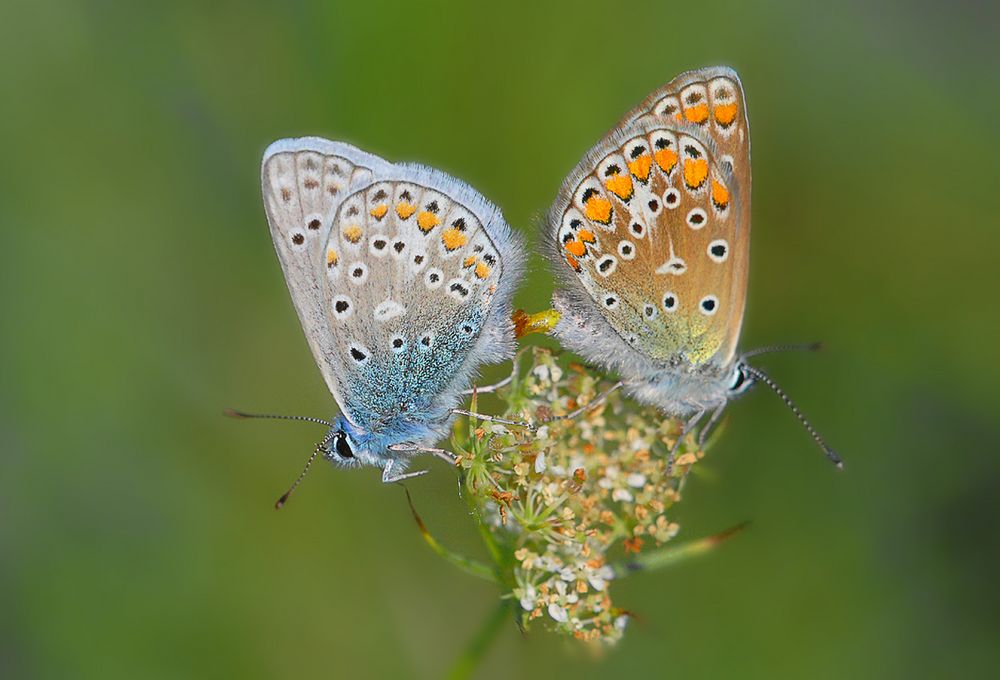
[141,295]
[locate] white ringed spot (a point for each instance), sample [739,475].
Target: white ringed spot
[358,353]
[675,265]
[672,198]
[397,343]
[343,307]
[670,302]
[434,278]
[606,265]
[709,305]
[626,250]
[358,273]
[378,245]
[718,250]
[696,218]
[458,288]
[389,309]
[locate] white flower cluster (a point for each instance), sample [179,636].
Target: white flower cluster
[565,501]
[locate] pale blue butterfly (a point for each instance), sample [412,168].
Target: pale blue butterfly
[402,277]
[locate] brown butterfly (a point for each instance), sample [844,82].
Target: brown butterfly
[650,238]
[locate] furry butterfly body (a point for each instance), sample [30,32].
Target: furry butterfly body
[402,278]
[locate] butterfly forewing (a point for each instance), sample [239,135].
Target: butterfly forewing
[654,223]
[303,181]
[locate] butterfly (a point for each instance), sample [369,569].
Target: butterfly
[650,240]
[402,277]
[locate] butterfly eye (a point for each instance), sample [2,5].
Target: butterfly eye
[738,382]
[343,447]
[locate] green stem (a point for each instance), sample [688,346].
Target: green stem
[466,564]
[476,649]
[665,557]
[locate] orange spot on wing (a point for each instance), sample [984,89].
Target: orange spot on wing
[352,233]
[725,114]
[598,209]
[586,236]
[620,185]
[379,211]
[331,258]
[427,221]
[453,239]
[404,210]
[695,172]
[482,270]
[640,167]
[469,261]
[720,195]
[697,114]
[573,263]
[666,159]
[576,248]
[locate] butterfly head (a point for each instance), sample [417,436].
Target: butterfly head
[347,446]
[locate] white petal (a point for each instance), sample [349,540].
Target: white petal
[559,614]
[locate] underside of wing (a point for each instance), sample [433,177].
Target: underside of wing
[420,271]
[303,181]
[654,225]
[402,277]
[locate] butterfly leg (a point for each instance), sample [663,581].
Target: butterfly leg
[596,401]
[446,456]
[687,429]
[485,389]
[493,419]
[390,475]
[710,425]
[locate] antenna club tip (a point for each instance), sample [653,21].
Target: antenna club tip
[233,413]
[280,503]
[839,464]
[816,346]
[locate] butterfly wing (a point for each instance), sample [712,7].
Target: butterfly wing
[303,181]
[652,228]
[404,285]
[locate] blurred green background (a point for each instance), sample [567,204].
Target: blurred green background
[141,295]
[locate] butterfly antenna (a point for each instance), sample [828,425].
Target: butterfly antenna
[830,453]
[233,413]
[284,497]
[800,347]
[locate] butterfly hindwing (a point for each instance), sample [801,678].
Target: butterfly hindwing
[654,222]
[409,278]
